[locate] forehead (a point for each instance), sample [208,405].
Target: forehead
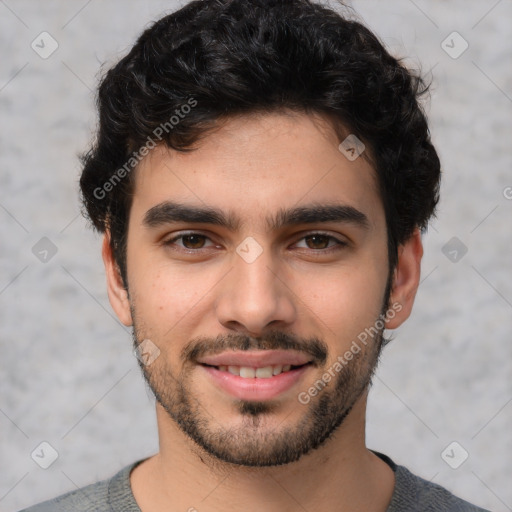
[252,166]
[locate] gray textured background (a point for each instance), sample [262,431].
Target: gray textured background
[67,374]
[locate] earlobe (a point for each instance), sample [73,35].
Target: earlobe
[117,294]
[406,279]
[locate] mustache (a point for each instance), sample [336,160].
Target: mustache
[273,340]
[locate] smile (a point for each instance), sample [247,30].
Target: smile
[247,372]
[255,383]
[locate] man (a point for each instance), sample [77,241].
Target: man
[262,174]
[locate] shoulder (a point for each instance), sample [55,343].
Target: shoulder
[105,496]
[93,498]
[414,494]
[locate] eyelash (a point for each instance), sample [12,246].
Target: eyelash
[339,244]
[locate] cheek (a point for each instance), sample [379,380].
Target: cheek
[345,300]
[168,298]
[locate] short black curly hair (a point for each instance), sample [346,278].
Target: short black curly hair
[214,59]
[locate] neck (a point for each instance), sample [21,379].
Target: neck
[342,474]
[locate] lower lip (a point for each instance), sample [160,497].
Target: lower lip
[255,388]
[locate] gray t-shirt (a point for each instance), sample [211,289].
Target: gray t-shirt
[411,494]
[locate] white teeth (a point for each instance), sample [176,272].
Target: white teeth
[278,368]
[247,372]
[264,373]
[235,370]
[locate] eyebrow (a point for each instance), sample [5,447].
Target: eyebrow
[170,212]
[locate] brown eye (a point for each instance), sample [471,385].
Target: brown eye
[189,242]
[321,242]
[318,241]
[193,241]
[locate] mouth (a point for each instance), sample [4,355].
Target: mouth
[258,383]
[262,372]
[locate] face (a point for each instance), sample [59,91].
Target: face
[255,265]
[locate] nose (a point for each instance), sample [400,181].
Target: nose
[255,296]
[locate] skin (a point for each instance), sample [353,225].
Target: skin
[253,167]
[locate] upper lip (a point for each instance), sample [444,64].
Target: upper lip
[256,358]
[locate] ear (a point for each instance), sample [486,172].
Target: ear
[117,294]
[406,279]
